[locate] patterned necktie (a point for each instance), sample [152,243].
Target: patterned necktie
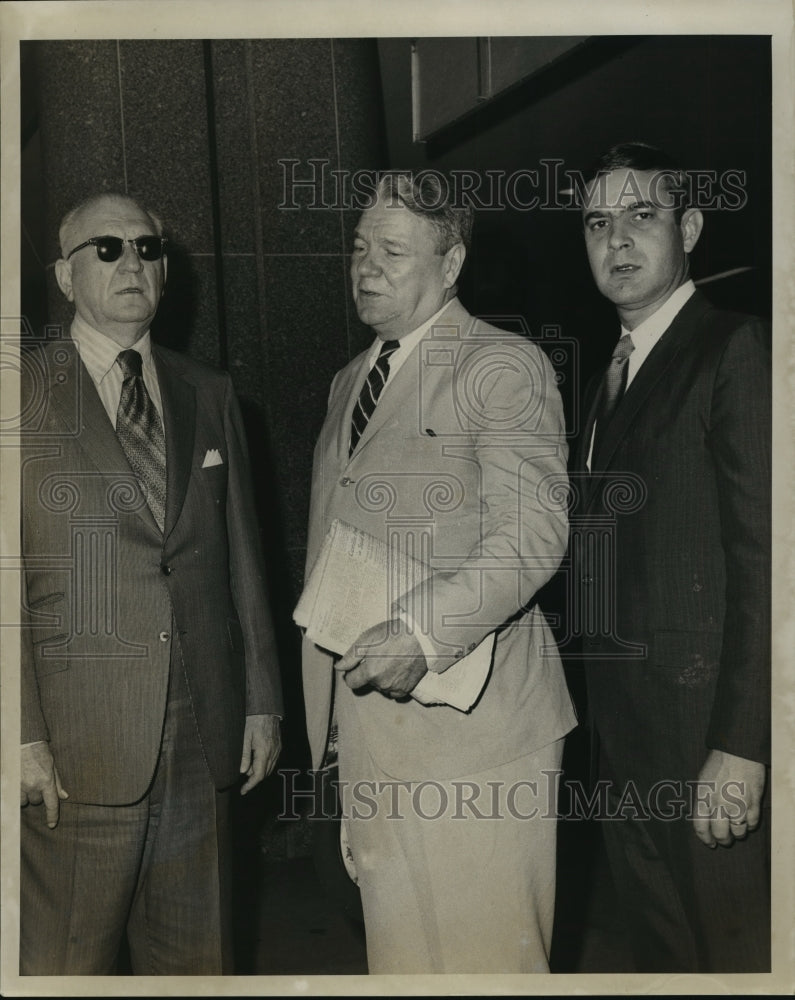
[613,385]
[140,433]
[371,390]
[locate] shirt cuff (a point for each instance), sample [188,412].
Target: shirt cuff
[462,683]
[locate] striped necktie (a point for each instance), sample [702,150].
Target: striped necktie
[614,384]
[371,390]
[140,433]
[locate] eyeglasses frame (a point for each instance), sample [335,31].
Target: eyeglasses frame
[96,240]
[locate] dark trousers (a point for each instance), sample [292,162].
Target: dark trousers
[687,907]
[157,869]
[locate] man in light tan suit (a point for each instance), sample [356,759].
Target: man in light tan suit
[445,439]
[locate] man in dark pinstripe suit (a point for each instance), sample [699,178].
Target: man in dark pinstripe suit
[674,470]
[149,673]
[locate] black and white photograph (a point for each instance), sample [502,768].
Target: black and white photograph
[395,488]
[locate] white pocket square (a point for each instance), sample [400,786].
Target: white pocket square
[213,457]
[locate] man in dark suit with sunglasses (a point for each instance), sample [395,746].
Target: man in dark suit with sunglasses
[149,673]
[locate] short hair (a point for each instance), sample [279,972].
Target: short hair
[68,221]
[428,195]
[644,157]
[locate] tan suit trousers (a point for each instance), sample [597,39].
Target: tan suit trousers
[456,875]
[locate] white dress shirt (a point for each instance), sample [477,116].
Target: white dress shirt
[646,335]
[406,346]
[98,353]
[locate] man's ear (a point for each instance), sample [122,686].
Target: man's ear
[691,225]
[453,262]
[165,274]
[63,275]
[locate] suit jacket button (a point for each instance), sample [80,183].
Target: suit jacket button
[587,580]
[165,569]
[164,637]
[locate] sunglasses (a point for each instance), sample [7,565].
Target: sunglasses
[110,248]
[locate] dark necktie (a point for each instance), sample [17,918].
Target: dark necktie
[140,433]
[371,390]
[613,385]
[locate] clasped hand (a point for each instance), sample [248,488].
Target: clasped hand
[387,657]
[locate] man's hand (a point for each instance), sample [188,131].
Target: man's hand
[734,807]
[394,664]
[40,781]
[262,744]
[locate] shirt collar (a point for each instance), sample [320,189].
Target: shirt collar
[410,340]
[651,329]
[98,352]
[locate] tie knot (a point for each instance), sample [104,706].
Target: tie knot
[624,348]
[130,363]
[388,347]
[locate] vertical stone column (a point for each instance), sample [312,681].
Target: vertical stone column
[80,139]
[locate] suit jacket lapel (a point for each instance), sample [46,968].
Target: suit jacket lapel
[393,400]
[590,406]
[404,385]
[651,371]
[179,419]
[94,430]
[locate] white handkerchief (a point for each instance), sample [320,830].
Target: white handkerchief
[213,457]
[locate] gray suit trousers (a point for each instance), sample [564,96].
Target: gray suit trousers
[157,868]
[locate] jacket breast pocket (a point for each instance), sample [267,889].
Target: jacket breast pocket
[213,480]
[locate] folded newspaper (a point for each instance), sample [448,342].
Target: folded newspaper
[353,585]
